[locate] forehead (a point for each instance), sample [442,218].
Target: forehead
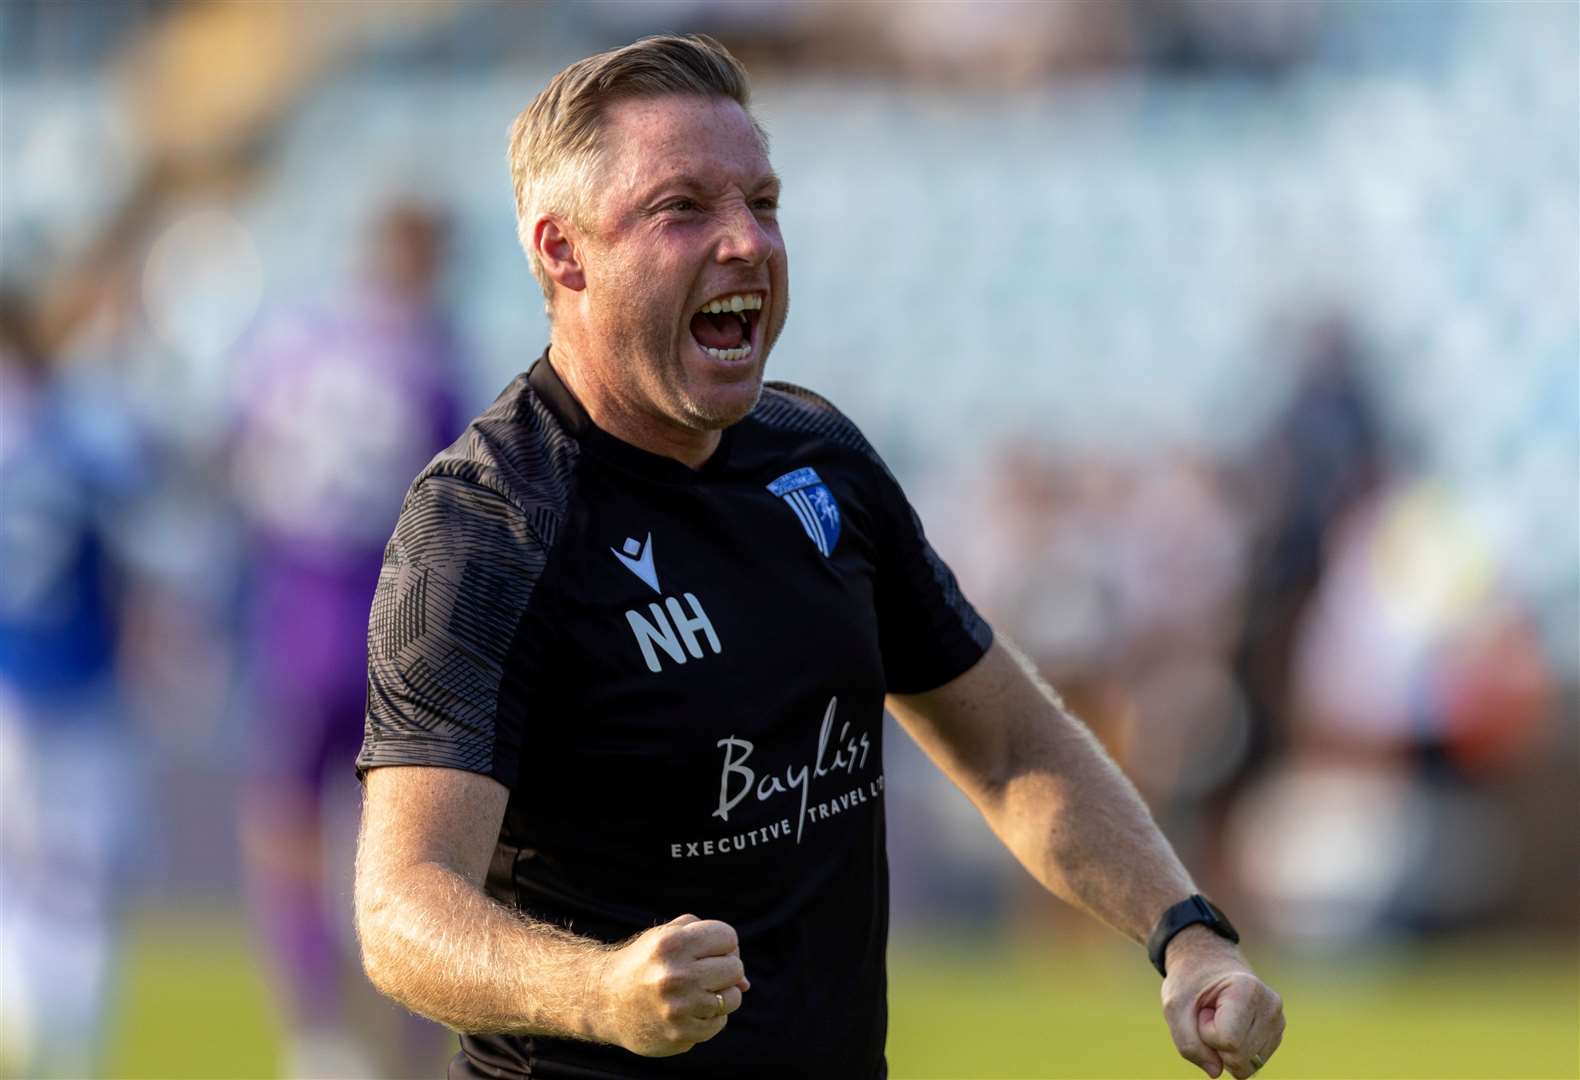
[646,140]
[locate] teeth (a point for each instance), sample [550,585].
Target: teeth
[736,303]
[729,354]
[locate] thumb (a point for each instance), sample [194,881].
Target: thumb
[682,920]
[1225,1023]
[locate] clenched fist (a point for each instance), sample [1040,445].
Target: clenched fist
[1221,1016]
[672,987]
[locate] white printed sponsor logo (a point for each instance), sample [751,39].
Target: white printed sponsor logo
[834,756]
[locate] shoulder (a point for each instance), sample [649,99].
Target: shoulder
[514,457]
[787,407]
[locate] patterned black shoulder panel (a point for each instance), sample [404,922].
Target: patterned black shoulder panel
[468,551]
[795,408]
[519,451]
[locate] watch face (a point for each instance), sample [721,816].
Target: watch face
[1220,922]
[1209,911]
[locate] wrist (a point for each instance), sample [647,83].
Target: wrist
[595,1009]
[1196,944]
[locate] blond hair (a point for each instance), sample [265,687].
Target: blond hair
[555,142]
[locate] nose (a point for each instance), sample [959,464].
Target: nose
[743,238]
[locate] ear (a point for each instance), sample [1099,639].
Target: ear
[555,245]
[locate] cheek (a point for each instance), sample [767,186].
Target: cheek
[781,272]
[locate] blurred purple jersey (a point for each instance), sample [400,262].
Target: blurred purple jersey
[339,407]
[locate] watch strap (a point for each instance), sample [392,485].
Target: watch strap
[1188,912]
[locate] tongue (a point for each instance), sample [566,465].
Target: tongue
[718,331]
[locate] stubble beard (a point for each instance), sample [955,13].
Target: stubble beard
[661,382]
[716,419]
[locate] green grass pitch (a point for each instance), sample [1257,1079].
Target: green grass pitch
[194,1004]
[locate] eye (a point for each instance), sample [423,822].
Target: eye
[767,204]
[683,206]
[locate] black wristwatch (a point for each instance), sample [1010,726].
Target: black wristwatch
[1189,912]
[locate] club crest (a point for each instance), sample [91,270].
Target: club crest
[813,504]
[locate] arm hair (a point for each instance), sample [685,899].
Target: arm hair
[433,941]
[1048,790]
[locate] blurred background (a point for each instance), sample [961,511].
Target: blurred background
[1230,351]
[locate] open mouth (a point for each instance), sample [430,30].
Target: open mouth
[724,326]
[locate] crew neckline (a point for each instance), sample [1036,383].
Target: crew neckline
[571,414]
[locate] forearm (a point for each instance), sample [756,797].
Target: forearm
[434,943]
[1079,826]
[1049,790]
[1058,801]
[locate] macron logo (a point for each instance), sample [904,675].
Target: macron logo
[670,628]
[638,558]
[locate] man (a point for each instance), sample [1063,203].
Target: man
[74,469]
[631,647]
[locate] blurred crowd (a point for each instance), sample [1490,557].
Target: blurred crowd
[1311,659]
[1271,467]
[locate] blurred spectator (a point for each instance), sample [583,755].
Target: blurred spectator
[1415,677]
[1204,34]
[71,464]
[1122,581]
[1319,457]
[340,404]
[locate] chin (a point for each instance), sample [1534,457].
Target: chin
[725,405]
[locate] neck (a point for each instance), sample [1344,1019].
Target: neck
[626,420]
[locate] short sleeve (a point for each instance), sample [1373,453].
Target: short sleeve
[929,633]
[457,578]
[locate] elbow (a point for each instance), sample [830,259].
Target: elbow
[375,965]
[373,938]
[374,958]
[385,948]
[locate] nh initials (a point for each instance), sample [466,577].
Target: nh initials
[661,631]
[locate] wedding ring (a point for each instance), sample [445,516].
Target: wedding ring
[722,1010]
[1257,1061]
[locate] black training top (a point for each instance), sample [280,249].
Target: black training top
[679,674]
